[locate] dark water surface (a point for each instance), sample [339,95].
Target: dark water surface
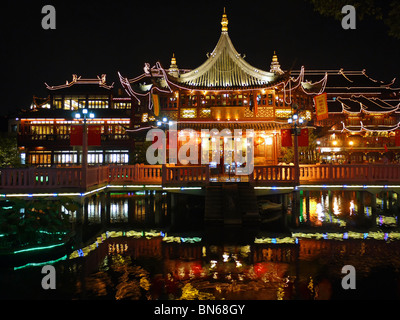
[132,257]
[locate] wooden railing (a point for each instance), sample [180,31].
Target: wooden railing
[138,173]
[38,178]
[273,174]
[178,175]
[349,173]
[97,176]
[35,178]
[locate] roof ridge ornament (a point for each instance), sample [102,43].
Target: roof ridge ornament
[275,66]
[224,22]
[173,68]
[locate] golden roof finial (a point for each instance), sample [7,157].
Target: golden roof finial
[173,68]
[173,60]
[275,66]
[275,57]
[224,22]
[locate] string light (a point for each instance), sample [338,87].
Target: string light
[75,79]
[363,128]
[345,107]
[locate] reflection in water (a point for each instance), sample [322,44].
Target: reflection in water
[158,262]
[342,209]
[352,207]
[336,206]
[301,266]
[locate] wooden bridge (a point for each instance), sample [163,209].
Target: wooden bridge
[69,179]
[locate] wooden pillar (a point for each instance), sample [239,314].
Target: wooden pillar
[169,208]
[275,149]
[79,225]
[173,209]
[131,210]
[159,209]
[330,202]
[102,200]
[85,210]
[151,207]
[285,201]
[107,209]
[295,207]
[360,202]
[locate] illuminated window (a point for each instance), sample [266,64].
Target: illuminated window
[74,102]
[58,103]
[23,158]
[117,156]
[98,104]
[188,113]
[172,103]
[62,129]
[40,158]
[283,113]
[95,157]
[122,105]
[39,132]
[65,157]
[205,113]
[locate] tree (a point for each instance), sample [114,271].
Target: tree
[9,153]
[30,221]
[386,11]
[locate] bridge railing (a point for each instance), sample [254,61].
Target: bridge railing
[185,175]
[71,177]
[273,174]
[97,176]
[137,173]
[33,177]
[348,173]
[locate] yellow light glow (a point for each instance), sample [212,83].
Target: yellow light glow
[188,113]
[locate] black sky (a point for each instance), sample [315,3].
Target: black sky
[98,37]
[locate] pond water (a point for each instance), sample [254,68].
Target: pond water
[141,254]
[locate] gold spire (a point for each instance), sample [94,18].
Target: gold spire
[224,22]
[173,68]
[275,57]
[173,61]
[275,66]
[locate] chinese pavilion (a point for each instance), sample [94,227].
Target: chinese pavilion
[45,130]
[225,92]
[363,117]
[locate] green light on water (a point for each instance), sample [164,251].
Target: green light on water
[39,248]
[38,264]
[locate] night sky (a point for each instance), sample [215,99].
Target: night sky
[98,37]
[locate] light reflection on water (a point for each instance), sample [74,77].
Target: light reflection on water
[338,207]
[308,267]
[302,264]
